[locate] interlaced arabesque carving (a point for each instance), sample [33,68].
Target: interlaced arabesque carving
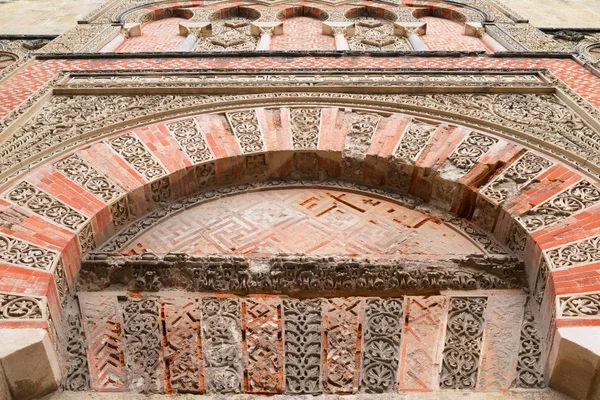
[231,34]
[585,251]
[78,374]
[19,252]
[305,127]
[464,334]
[191,139]
[529,367]
[381,346]
[86,175]
[246,129]
[376,34]
[20,307]
[579,306]
[578,197]
[413,141]
[39,202]
[142,336]
[361,128]
[470,150]
[131,148]
[516,177]
[541,282]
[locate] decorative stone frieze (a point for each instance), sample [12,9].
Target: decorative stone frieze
[291,274]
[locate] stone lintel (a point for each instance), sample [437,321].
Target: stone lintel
[474,29]
[287,274]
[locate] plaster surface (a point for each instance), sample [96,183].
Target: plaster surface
[558,13]
[43,17]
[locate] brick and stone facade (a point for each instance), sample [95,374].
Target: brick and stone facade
[301,198]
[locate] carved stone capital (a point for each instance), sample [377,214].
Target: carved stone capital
[199,29]
[336,28]
[406,28]
[272,28]
[474,29]
[132,29]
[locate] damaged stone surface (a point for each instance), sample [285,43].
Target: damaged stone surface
[293,274]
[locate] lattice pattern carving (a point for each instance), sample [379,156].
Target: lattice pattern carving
[343,330]
[264,361]
[181,327]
